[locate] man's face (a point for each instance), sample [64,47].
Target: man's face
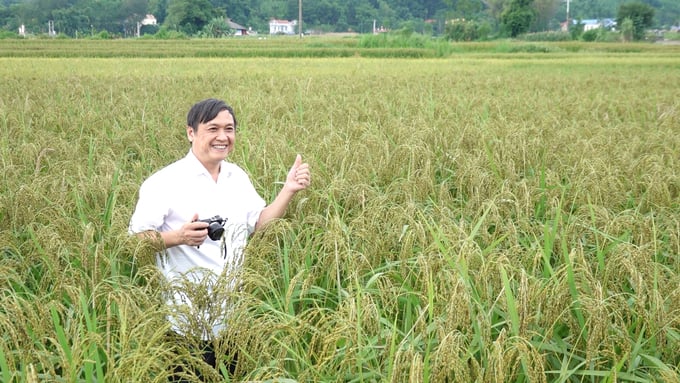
[213,140]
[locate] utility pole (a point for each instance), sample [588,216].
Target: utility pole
[567,15]
[300,17]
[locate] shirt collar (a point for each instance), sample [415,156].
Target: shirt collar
[196,167]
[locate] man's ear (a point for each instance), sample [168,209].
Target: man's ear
[190,133]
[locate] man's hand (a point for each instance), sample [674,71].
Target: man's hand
[299,176]
[193,233]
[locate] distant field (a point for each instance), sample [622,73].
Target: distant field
[394,46]
[508,212]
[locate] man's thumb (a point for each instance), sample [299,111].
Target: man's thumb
[298,161]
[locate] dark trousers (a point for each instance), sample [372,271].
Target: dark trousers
[207,352]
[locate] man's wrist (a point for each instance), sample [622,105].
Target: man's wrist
[287,192]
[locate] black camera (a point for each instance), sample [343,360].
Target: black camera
[215,227]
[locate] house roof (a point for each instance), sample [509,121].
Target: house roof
[233,25]
[282,22]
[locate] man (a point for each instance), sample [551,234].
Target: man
[173,204]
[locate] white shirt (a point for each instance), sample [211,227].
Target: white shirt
[167,200]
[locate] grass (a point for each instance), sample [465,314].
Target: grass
[496,217]
[393,45]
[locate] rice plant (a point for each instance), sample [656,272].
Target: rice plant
[486,218]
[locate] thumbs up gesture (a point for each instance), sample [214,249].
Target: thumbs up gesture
[299,176]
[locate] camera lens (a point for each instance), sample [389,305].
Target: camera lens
[215,231]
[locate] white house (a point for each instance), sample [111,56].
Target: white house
[589,24]
[285,27]
[149,20]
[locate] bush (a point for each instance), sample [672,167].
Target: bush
[102,35]
[590,35]
[576,30]
[608,36]
[148,30]
[532,48]
[167,34]
[398,40]
[628,29]
[463,30]
[8,35]
[675,36]
[546,36]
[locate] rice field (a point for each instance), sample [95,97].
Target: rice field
[485,217]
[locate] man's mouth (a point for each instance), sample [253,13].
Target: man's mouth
[220,147]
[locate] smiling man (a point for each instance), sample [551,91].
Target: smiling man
[175,203]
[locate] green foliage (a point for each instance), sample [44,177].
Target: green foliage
[165,33]
[641,14]
[608,36]
[439,47]
[590,35]
[217,27]
[8,35]
[149,30]
[79,18]
[673,36]
[666,13]
[102,35]
[530,48]
[601,35]
[465,30]
[189,16]
[394,46]
[628,29]
[546,36]
[576,30]
[518,17]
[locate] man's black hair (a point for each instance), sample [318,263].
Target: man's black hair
[207,110]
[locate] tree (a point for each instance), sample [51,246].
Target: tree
[465,8]
[189,16]
[386,14]
[494,8]
[641,14]
[518,17]
[159,8]
[627,29]
[462,30]
[321,12]
[363,16]
[217,27]
[667,13]
[71,21]
[545,12]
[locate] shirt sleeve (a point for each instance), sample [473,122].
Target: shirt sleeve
[150,211]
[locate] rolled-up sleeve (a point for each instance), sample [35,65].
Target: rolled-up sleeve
[150,211]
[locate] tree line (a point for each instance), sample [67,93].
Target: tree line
[120,18]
